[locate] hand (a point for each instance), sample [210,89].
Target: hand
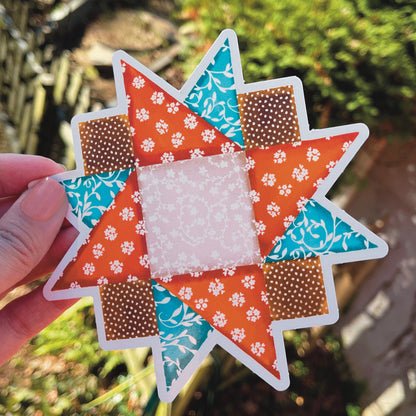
[32,242]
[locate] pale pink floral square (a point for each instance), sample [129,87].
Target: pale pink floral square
[198,215]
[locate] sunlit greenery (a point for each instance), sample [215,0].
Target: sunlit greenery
[356,58]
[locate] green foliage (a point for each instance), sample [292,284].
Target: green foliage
[356,58]
[64,369]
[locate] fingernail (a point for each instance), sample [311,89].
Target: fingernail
[43,199]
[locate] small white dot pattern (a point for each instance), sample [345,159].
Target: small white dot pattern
[268,117]
[128,310]
[106,144]
[296,288]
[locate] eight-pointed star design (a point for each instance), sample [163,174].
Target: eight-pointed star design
[203,218]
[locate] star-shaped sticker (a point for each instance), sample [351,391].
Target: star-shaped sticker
[203,218]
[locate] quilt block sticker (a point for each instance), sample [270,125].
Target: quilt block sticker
[203,218]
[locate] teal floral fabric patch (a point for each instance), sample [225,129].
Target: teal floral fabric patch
[181,331]
[89,196]
[214,96]
[317,231]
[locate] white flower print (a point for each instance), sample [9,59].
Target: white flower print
[269,330]
[110,233]
[219,319]
[148,145]
[177,139]
[138,82]
[162,127]
[229,271]
[127,214]
[275,366]
[238,334]
[288,220]
[102,281]
[190,122]
[127,247]
[285,190]
[227,147]
[157,97]
[173,108]
[346,146]
[131,278]
[185,293]
[128,100]
[201,304]
[268,179]
[258,348]
[136,197]
[312,155]
[301,202]
[98,250]
[260,227]
[88,269]
[331,165]
[249,282]
[196,274]
[254,196]
[251,163]
[142,114]
[167,157]
[74,285]
[264,297]
[318,183]
[132,131]
[216,288]
[140,228]
[237,299]
[208,135]
[279,157]
[253,314]
[116,266]
[144,261]
[196,153]
[273,209]
[300,173]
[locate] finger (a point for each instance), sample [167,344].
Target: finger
[59,247]
[16,171]
[5,204]
[28,229]
[24,317]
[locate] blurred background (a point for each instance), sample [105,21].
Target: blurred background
[357,60]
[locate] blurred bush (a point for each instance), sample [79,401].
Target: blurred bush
[356,58]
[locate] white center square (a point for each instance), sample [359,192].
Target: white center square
[198,215]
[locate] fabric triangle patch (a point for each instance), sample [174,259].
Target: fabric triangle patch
[115,250]
[234,301]
[284,177]
[214,96]
[318,231]
[182,332]
[165,130]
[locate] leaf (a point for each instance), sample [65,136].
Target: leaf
[176,312]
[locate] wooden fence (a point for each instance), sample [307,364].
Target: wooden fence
[40,88]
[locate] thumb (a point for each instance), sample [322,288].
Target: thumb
[28,229]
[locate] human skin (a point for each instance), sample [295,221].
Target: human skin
[33,239]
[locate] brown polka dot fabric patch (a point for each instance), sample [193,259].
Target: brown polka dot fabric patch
[268,117]
[296,288]
[106,144]
[128,310]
